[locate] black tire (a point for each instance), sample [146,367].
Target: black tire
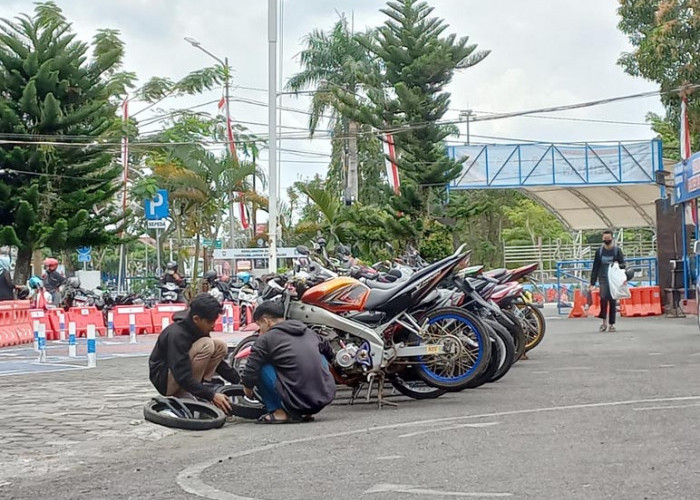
[241,407]
[407,385]
[515,328]
[238,365]
[492,367]
[509,355]
[206,416]
[469,337]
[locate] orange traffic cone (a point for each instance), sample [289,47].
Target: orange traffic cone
[578,311]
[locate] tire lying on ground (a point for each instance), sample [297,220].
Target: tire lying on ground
[180,413]
[241,406]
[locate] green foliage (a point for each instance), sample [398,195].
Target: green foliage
[437,243]
[664,35]
[51,87]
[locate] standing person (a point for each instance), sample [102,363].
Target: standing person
[185,357]
[288,364]
[53,280]
[7,286]
[604,257]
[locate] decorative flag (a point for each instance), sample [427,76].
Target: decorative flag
[232,149]
[392,172]
[685,130]
[691,212]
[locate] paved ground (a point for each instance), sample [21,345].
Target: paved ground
[588,416]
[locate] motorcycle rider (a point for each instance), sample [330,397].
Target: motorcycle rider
[53,280]
[171,276]
[7,286]
[288,365]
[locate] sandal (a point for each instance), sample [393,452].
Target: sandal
[611,329]
[270,418]
[602,328]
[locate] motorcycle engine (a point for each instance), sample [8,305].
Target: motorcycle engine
[351,354]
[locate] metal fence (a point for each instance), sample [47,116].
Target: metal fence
[572,274]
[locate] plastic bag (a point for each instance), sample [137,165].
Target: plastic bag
[617,278]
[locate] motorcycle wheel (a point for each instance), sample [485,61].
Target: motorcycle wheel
[534,323]
[507,346]
[183,414]
[452,370]
[241,406]
[239,364]
[497,356]
[415,389]
[517,331]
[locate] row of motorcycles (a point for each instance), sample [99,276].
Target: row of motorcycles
[426,329]
[242,291]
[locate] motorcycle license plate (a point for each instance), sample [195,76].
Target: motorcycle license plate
[433,349]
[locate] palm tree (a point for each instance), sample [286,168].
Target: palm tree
[331,64]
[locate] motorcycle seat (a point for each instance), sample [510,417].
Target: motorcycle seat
[497,273]
[378,285]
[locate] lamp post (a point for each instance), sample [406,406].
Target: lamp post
[227,87]
[272,131]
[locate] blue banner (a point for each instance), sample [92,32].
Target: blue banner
[687,179]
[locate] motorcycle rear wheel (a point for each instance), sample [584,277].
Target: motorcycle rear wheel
[465,360]
[415,389]
[534,325]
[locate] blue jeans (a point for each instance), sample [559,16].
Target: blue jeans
[267,388]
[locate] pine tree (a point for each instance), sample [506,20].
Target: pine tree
[406,92]
[57,195]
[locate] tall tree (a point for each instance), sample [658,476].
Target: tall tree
[406,93]
[332,62]
[665,36]
[57,102]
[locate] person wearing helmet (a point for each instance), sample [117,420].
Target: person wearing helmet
[243,277]
[7,286]
[53,280]
[171,276]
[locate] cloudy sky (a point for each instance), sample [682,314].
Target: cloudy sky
[543,53]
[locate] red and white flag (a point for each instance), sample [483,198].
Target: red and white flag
[392,171]
[232,149]
[685,130]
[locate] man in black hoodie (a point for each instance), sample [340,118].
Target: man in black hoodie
[185,355]
[289,366]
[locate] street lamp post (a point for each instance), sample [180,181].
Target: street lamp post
[272,124]
[227,86]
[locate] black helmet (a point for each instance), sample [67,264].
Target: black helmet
[171,266]
[211,276]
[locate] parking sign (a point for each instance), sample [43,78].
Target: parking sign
[157,208]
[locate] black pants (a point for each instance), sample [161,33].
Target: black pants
[608,305]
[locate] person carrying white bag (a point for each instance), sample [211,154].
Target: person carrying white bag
[608,261]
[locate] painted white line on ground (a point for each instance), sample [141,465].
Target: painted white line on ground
[632,370]
[655,353]
[390,457]
[666,366]
[414,490]
[647,408]
[190,480]
[461,426]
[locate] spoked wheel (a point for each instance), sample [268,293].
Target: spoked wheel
[183,414]
[239,363]
[533,324]
[408,384]
[466,345]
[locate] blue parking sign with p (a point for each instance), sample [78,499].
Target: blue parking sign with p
[157,208]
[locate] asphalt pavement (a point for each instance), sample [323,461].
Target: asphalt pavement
[590,415]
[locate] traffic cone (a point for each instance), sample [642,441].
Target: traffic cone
[578,311]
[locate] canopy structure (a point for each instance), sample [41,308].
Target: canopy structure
[587,186]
